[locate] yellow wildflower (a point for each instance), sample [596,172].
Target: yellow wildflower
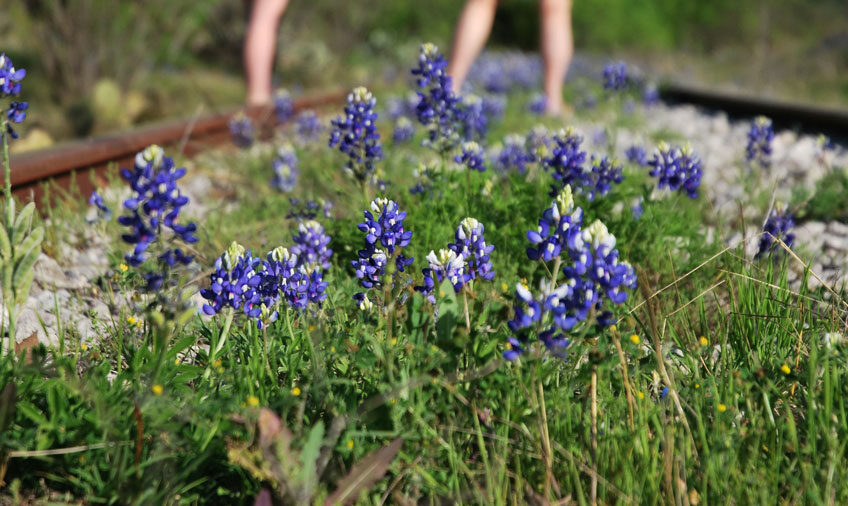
[295,391]
[157,389]
[721,408]
[635,339]
[785,368]
[253,401]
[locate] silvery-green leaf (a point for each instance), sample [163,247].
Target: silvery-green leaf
[22,290]
[8,273]
[5,245]
[32,242]
[24,266]
[10,214]
[24,220]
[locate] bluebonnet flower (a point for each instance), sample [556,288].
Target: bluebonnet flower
[637,209]
[566,161]
[488,72]
[309,209]
[356,135]
[438,109]
[615,76]
[471,246]
[427,178]
[103,212]
[235,283]
[593,276]
[525,70]
[538,143]
[760,137]
[10,86]
[475,123]
[494,106]
[636,154]
[676,169]
[10,77]
[605,171]
[283,279]
[513,155]
[384,238]
[557,229]
[402,107]
[285,169]
[778,225]
[404,130]
[650,94]
[588,101]
[241,130]
[537,104]
[155,205]
[308,126]
[311,245]
[446,265]
[472,156]
[283,105]
[599,137]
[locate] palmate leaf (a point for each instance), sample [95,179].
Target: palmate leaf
[364,474]
[30,243]
[23,221]
[5,244]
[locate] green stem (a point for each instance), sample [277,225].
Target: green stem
[7,168]
[9,298]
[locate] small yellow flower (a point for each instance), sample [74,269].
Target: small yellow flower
[394,341]
[253,401]
[613,328]
[216,364]
[697,386]
[504,287]
[177,361]
[295,391]
[721,408]
[703,341]
[332,349]
[635,339]
[84,347]
[393,400]
[785,368]
[123,268]
[157,389]
[640,395]
[434,348]
[311,328]
[349,444]
[132,320]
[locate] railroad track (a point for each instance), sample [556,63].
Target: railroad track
[69,165]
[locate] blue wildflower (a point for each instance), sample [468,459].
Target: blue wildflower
[446,265]
[241,130]
[778,225]
[636,154]
[402,107]
[475,122]
[386,229]
[558,227]
[676,169]
[471,246]
[494,106]
[760,136]
[235,283]
[285,169]
[472,156]
[615,76]
[604,172]
[356,135]
[308,127]
[438,109]
[309,209]
[283,106]
[650,94]
[537,104]
[427,178]
[311,245]
[538,143]
[10,86]
[566,161]
[404,130]
[155,205]
[102,210]
[637,209]
[512,155]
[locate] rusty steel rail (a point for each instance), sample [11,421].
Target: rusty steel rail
[792,115]
[72,161]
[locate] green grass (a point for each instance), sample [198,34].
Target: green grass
[475,429]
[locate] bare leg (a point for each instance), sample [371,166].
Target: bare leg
[557,45]
[473,29]
[259,47]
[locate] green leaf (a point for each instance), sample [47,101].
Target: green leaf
[33,240]
[24,267]
[10,214]
[449,311]
[5,244]
[22,289]
[307,477]
[24,220]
